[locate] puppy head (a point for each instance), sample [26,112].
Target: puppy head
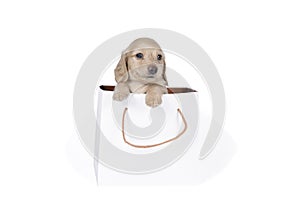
[142,61]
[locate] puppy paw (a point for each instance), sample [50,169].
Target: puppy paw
[153,100]
[120,96]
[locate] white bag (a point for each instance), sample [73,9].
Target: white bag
[137,144]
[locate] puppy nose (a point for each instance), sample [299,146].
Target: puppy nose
[152,69]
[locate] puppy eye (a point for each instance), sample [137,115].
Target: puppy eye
[159,57]
[139,55]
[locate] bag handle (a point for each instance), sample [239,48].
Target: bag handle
[153,145]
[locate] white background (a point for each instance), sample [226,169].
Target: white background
[254,44]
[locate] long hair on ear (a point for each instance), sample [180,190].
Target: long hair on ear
[121,73]
[164,73]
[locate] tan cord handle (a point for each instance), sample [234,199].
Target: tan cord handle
[153,145]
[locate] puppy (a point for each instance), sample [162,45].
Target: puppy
[141,69]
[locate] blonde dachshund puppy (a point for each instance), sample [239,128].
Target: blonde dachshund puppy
[141,69]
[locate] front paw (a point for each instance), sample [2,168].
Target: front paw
[153,100]
[120,96]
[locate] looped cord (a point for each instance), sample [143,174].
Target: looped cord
[153,145]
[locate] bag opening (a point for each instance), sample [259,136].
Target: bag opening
[172,90]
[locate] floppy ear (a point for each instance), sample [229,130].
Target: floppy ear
[121,73]
[164,73]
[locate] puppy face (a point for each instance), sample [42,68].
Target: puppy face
[146,65]
[143,61]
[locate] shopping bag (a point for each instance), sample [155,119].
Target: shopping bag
[134,141]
